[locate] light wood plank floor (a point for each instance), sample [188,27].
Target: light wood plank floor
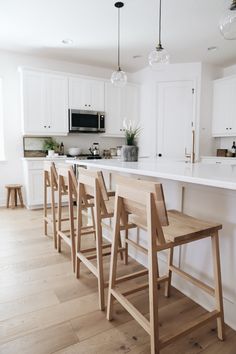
[44,309]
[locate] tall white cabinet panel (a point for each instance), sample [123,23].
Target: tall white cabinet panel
[121,103]
[224,107]
[86,94]
[44,103]
[33,102]
[176,118]
[57,96]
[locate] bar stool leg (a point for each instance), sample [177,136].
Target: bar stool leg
[114,252]
[54,226]
[45,207]
[20,198]
[15,197]
[79,229]
[8,197]
[12,198]
[218,285]
[152,276]
[59,215]
[99,250]
[169,264]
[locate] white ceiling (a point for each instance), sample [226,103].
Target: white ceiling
[189,28]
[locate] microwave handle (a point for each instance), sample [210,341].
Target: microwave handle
[99,122]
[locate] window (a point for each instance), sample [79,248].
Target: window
[2,154]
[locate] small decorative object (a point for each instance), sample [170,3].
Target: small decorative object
[130,150]
[50,145]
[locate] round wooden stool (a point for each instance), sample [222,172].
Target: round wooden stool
[12,190]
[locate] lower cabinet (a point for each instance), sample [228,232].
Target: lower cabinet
[33,176]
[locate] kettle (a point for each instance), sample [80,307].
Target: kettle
[95,149]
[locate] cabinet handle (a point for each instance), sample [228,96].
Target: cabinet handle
[227,128]
[45,126]
[49,126]
[89,105]
[85,105]
[230,128]
[159,155]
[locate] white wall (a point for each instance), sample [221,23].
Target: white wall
[11,170]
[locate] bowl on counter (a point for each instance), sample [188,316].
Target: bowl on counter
[75,151]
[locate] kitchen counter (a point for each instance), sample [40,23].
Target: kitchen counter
[221,176]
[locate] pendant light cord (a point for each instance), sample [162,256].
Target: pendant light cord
[159,44]
[119,69]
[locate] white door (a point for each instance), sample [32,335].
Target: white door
[175,118]
[33,99]
[57,104]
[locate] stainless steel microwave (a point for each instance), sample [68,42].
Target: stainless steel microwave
[86,121]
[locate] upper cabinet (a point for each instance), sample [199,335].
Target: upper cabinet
[44,103]
[224,107]
[120,104]
[86,94]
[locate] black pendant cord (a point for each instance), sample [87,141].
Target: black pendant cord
[159,46]
[119,69]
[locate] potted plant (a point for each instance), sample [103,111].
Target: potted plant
[50,145]
[130,150]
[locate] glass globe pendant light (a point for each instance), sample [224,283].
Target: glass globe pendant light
[159,55]
[119,77]
[228,22]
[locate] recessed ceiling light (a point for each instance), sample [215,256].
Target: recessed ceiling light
[212,48]
[137,56]
[67,41]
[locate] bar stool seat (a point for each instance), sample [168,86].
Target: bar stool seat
[12,191]
[182,227]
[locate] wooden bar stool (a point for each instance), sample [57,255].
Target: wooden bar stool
[50,180]
[143,202]
[92,192]
[12,191]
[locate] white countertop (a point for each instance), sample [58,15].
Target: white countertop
[221,176]
[51,158]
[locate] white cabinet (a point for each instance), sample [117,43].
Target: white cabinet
[176,118]
[86,94]
[224,107]
[216,160]
[33,177]
[44,103]
[120,104]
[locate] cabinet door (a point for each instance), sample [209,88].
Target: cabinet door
[176,118]
[79,93]
[97,95]
[223,102]
[130,103]
[112,109]
[33,102]
[57,104]
[35,196]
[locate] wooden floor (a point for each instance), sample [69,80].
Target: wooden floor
[44,309]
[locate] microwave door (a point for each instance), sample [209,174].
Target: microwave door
[84,122]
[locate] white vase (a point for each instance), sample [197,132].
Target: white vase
[51,153]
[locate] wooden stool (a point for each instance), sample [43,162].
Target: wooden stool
[50,179]
[12,190]
[92,193]
[66,173]
[143,202]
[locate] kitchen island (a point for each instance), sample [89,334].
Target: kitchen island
[202,190]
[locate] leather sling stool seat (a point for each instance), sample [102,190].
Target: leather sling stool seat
[143,202]
[92,193]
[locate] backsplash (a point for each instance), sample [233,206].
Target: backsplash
[84,141]
[225,143]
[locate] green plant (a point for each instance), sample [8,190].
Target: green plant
[50,144]
[132,131]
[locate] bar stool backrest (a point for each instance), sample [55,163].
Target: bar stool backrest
[50,174]
[145,201]
[92,186]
